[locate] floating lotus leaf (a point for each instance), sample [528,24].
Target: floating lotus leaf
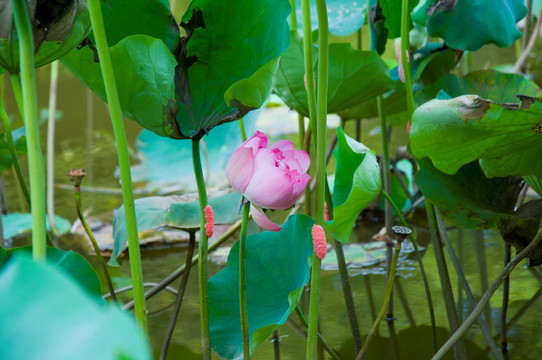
[177,212]
[20,224]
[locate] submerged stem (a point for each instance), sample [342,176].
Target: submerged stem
[30,106]
[106,66]
[345,280]
[477,311]
[180,295]
[203,251]
[387,298]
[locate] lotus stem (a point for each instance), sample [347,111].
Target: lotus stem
[106,66]
[203,252]
[446,285]
[321,135]
[51,147]
[422,271]
[30,106]
[242,282]
[77,195]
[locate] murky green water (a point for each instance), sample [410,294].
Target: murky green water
[84,139]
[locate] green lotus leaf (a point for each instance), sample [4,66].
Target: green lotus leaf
[391,10]
[57,28]
[488,84]
[277,266]
[468,198]
[354,76]
[225,42]
[176,212]
[123,18]
[506,138]
[44,307]
[472,24]
[357,183]
[144,70]
[71,263]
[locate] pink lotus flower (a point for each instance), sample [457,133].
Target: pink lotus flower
[271,177]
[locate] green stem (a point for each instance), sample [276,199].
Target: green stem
[345,281]
[321,117]
[321,339]
[242,282]
[422,271]
[30,106]
[293,16]
[477,311]
[505,301]
[51,147]
[77,194]
[481,261]
[96,20]
[405,49]
[242,129]
[13,153]
[445,283]
[180,295]
[387,299]
[309,70]
[203,252]
[386,175]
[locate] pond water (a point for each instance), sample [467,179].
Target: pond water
[84,139]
